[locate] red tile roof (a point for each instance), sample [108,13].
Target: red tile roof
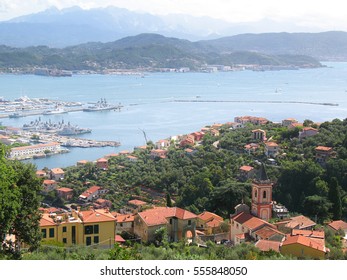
[119,239]
[124,218]
[65,190]
[137,202]
[309,233]
[102,160]
[57,171]
[305,241]
[241,236]
[90,191]
[206,216]
[250,221]
[309,128]
[266,232]
[323,149]
[271,144]
[95,216]
[46,220]
[300,222]
[159,215]
[49,182]
[246,168]
[336,225]
[267,245]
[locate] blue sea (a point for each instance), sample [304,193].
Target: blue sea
[149,102]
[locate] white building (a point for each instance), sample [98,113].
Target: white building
[29,151]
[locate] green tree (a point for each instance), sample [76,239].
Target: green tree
[26,225]
[168,200]
[161,236]
[335,197]
[317,206]
[9,204]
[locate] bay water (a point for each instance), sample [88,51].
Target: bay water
[150,102]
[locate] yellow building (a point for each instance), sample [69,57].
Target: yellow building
[302,246]
[90,227]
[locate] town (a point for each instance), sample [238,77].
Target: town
[92,204]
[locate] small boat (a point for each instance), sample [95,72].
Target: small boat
[16,115]
[55,111]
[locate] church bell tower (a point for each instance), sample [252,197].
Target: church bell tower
[262,196]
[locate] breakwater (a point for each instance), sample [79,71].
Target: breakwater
[255,101]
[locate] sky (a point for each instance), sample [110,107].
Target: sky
[321,14]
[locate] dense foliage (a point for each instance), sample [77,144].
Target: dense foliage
[149,51]
[19,205]
[210,178]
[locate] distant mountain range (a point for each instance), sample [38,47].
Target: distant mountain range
[72,26]
[144,51]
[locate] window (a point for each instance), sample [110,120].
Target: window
[96,229]
[189,222]
[170,221]
[88,230]
[264,194]
[88,241]
[121,224]
[73,235]
[51,232]
[64,229]
[64,240]
[255,193]
[44,233]
[96,239]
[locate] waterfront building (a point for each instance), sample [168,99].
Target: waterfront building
[249,119]
[82,162]
[288,122]
[30,151]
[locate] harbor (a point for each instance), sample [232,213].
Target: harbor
[25,107]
